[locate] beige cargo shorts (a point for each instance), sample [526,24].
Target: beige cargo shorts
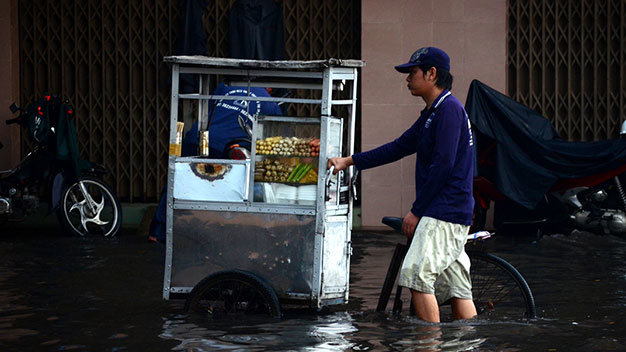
[436,262]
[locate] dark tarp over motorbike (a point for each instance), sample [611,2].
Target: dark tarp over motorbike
[529,154]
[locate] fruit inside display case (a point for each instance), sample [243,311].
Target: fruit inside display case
[293,170]
[286,180]
[286,162]
[288,146]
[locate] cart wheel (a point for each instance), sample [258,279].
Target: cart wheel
[234,292]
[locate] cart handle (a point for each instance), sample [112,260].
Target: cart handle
[353,183]
[329,173]
[327,182]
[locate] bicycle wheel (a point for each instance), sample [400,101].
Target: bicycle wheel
[498,289]
[233,293]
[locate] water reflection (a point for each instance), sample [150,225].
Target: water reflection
[435,338]
[61,293]
[327,333]
[12,308]
[332,332]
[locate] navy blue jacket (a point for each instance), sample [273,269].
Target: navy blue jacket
[444,168]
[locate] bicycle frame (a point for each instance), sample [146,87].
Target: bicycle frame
[400,253]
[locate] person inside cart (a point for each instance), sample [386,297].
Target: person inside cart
[224,129]
[436,267]
[225,133]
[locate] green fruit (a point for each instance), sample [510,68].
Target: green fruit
[303,172]
[294,172]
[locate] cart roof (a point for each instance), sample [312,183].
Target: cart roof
[243,63]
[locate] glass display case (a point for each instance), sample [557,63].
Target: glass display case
[286,160]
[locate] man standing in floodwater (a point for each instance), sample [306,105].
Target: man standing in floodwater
[436,267]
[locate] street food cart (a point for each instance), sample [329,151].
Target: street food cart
[275,228]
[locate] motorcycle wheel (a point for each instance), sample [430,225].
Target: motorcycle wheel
[96,213]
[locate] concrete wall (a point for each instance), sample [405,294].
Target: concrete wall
[9,61]
[472,32]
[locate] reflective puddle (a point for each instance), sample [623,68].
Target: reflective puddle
[70,294]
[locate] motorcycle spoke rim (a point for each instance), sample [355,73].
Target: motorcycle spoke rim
[101,220]
[96,218]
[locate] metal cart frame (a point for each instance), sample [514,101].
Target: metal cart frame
[209,229]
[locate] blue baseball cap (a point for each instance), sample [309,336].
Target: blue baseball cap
[426,56]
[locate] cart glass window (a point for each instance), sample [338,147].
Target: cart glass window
[286,161]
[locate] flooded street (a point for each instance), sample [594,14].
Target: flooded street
[69,294]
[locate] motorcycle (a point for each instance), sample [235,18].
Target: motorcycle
[52,171]
[595,203]
[535,179]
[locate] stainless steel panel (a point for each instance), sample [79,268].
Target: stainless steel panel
[340,65]
[315,120]
[227,97]
[170,184]
[335,261]
[217,182]
[199,159]
[203,105]
[260,208]
[321,182]
[341,210]
[168,228]
[334,149]
[277,247]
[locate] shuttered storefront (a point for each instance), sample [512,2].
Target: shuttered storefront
[105,57]
[566,60]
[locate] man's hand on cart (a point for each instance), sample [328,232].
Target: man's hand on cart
[339,163]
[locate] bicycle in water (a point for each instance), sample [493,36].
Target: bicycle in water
[498,289]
